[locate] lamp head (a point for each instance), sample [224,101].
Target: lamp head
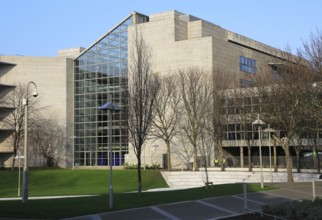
[35,94]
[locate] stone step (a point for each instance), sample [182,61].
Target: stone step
[188,179]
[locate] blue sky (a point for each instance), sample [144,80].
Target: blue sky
[42,27]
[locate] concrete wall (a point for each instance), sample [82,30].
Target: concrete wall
[50,76]
[180,41]
[54,79]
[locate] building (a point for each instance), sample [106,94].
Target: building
[5,89]
[54,79]
[75,84]
[178,41]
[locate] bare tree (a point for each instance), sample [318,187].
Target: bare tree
[206,150]
[15,120]
[218,112]
[310,127]
[196,92]
[246,113]
[182,150]
[167,113]
[312,51]
[285,97]
[47,138]
[143,89]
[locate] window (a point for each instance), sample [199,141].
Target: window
[247,65]
[246,83]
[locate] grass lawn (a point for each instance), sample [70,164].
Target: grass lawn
[95,182]
[48,182]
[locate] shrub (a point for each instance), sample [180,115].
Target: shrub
[130,166]
[296,210]
[135,166]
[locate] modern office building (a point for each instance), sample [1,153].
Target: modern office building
[178,41]
[72,89]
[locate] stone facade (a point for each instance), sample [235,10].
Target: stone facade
[54,79]
[179,41]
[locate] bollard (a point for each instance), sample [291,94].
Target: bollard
[245,196]
[313,189]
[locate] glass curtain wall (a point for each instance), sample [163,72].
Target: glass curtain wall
[101,75]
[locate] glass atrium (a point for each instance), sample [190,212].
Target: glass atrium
[101,75]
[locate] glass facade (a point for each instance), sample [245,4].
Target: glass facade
[101,75]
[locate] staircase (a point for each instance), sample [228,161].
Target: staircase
[190,179]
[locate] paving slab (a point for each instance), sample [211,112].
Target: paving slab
[134,214]
[193,210]
[266,198]
[214,208]
[291,194]
[234,203]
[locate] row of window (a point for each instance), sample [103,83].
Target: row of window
[98,158]
[104,56]
[247,65]
[101,143]
[241,109]
[101,69]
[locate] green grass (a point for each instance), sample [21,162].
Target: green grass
[95,182]
[48,182]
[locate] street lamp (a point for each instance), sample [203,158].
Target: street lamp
[19,168]
[112,107]
[260,123]
[25,165]
[269,131]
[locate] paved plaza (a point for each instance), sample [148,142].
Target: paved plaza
[214,208]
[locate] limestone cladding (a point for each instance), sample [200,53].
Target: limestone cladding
[50,76]
[71,52]
[54,79]
[180,41]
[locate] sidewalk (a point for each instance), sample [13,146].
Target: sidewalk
[44,197]
[213,208]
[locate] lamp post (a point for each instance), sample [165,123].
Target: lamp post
[260,123]
[25,165]
[269,131]
[19,172]
[112,107]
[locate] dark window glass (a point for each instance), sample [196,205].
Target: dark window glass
[247,65]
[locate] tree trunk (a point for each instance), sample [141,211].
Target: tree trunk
[316,159]
[14,159]
[207,177]
[318,164]
[275,157]
[221,158]
[250,166]
[195,159]
[139,176]
[288,162]
[298,162]
[169,156]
